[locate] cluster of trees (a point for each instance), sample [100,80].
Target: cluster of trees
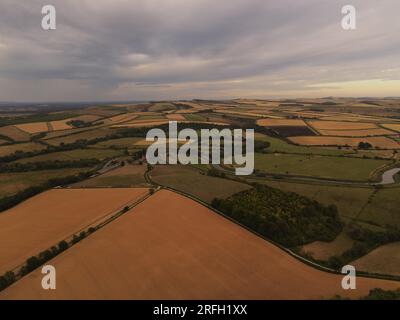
[36,261]
[364,146]
[7,279]
[286,218]
[82,124]
[48,165]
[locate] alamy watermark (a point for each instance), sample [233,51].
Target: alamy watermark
[206,150]
[349,281]
[49,22]
[49,280]
[349,21]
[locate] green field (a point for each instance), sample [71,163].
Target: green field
[384,209]
[11,183]
[340,168]
[74,155]
[194,117]
[349,200]
[191,181]
[279,145]
[162,106]
[122,143]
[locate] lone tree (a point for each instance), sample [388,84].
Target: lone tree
[364,145]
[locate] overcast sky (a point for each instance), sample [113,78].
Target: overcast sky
[181,49]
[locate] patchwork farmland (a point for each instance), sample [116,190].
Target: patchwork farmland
[77,192]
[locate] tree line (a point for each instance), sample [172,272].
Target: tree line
[48,165]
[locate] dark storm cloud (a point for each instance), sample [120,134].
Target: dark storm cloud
[186,48]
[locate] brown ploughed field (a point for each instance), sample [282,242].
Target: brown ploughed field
[42,221]
[171,247]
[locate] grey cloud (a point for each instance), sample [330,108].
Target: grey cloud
[183,48]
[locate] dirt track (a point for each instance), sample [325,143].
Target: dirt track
[170,247]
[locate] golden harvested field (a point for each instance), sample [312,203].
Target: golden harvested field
[35,127]
[25,147]
[341,125]
[159,251]
[44,220]
[357,133]
[381,142]
[392,126]
[384,260]
[60,125]
[14,133]
[280,122]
